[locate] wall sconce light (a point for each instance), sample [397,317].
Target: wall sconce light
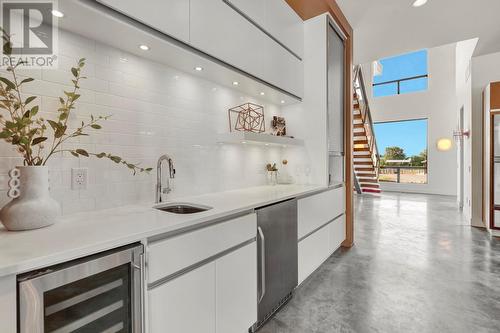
[444,144]
[459,135]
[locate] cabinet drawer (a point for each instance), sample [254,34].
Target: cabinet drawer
[337,233]
[173,305]
[319,209]
[313,251]
[168,256]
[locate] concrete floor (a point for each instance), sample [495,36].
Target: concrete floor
[416,267]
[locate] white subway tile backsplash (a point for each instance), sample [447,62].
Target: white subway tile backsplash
[155,110]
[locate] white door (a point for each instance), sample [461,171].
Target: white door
[461,160]
[236,286]
[185,304]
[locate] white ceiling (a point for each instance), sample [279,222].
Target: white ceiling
[390,27]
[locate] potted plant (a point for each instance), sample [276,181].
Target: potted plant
[272,174]
[38,139]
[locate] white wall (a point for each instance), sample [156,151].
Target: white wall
[439,105]
[464,51]
[156,110]
[485,69]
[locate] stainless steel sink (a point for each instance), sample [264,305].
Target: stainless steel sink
[182,208]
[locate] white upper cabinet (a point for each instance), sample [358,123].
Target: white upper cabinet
[168,16]
[220,31]
[283,69]
[283,23]
[254,9]
[278,19]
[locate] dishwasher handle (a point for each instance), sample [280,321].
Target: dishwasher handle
[262,263]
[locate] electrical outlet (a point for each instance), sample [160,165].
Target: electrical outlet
[79,178]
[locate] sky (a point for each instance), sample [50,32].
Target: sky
[410,135]
[400,67]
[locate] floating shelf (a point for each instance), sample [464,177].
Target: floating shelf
[258,138]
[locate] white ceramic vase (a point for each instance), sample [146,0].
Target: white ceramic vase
[31,207]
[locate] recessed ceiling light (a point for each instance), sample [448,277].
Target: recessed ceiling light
[235,83]
[267,144]
[262,93]
[122,59]
[243,142]
[198,68]
[282,102]
[57,13]
[419,3]
[144,47]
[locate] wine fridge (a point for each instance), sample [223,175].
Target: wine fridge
[99,293]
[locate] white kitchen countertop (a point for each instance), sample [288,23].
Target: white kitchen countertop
[83,234]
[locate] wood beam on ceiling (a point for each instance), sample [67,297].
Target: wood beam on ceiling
[495,96]
[307,9]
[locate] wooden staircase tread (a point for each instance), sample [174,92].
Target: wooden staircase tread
[364,175]
[362,133]
[371,190]
[368,180]
[363,163]
[370,185]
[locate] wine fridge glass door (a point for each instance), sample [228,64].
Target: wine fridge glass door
[102,294]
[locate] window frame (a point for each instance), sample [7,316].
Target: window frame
[426,148]
[403,79]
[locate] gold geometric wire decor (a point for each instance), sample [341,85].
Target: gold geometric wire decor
[247,117]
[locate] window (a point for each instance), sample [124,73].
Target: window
[403,146]
[403,74]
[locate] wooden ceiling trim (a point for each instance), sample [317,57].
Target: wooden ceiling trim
[495,96]
[307,9]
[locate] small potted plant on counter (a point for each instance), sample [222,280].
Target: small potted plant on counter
[272,174]
[37,140]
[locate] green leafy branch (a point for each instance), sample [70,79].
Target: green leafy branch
[23,129]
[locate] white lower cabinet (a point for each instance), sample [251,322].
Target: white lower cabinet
[319,209]
[313,251]
[337,233]
[185,304]
[219,296]
[236,290]
[317,247]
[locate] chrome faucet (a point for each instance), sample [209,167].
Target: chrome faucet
[171,175]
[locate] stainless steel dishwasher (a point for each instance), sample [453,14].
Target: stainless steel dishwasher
[277,257]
